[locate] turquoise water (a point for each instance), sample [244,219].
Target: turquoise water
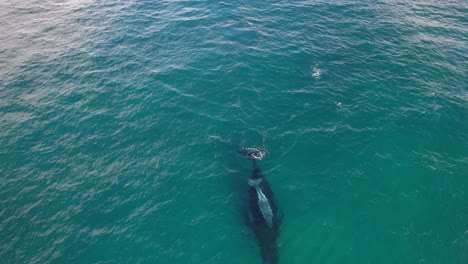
[120,122]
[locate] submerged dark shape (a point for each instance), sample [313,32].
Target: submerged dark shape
[264,218]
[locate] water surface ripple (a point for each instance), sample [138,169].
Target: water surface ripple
[120,121]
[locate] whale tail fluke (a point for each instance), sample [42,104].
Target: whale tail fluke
[253,153]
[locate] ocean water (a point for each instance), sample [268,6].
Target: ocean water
[120,123]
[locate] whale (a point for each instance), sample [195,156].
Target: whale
[263,217]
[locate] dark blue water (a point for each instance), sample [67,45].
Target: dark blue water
[120,124]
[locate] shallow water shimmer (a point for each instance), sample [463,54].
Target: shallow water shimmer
[120,123]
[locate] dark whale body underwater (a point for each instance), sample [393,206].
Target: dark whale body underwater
[264,219]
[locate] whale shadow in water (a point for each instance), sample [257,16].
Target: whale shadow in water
[264,218]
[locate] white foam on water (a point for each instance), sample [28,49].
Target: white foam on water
[316,73]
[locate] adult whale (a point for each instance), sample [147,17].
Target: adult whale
[264,218]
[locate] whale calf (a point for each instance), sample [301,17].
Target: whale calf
[263,219]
